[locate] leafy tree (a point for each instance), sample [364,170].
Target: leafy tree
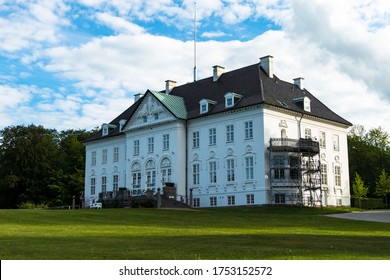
[359,189]
[383,185]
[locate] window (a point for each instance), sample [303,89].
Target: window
[196,202]
[336,146]
[322,139]
[166,142]
[324,174]
[248,130]
[230,170]
[115,183]
[151,174]
[93,158]
[145,119]
[231,200]
[104,184]
[105,130]
[166,170]
[249,168]
[294,167]
[212,136]
[229,101]
[250,199]
[213,201]
[337,176]
[156,116]
[93,186]
[136,147]
[104,156]
[136,178]
[307,133]
[229,133]
[279,167]
[195,174]
[213,172]
[203,108]
[116,154]
[150,145]
[280,198]
[195,139]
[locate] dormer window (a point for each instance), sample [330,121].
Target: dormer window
[231,99]
[303,103]
[122,123]
[105,129]
[206,105]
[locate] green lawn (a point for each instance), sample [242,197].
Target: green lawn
[223,233]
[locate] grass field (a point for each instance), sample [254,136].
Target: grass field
[218,233]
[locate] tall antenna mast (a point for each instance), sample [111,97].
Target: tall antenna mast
[194,41]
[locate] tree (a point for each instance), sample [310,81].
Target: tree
[383,185]
[359,189]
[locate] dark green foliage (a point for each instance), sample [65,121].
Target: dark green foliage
[39,165]
[369,155]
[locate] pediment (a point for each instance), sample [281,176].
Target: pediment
[151,111]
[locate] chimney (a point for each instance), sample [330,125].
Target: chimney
[137,96]
[169,85]
[217,72]
[299,82]
[266,63]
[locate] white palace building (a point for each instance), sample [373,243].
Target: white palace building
[243,137]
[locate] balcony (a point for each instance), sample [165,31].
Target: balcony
[294,145]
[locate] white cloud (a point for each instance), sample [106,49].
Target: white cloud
[214,34]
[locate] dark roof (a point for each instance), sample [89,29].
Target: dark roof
[255,87]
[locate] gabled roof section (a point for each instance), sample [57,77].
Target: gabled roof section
[175,104]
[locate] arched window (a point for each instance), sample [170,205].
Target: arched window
[136,178]
[284,133]
[151,174]
[166,170]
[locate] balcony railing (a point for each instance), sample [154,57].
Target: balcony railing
[303,145]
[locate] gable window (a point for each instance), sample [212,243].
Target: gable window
[248,130]
[150,145]
[116,154]
[104,156]
[136,147]
[213,172]
[93,158]
[105,130]
[195,139]
[229,101]
[115,183]
[230,170]
[205,105]
[212,136]
[203,108]
[229,133]
[166,142]
[104,184]
[195,174]
[322,139]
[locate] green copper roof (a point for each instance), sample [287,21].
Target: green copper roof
[174,104]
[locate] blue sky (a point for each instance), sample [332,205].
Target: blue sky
[78,64]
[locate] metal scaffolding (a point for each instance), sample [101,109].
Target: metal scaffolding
[295,172]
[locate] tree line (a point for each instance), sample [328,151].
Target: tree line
[369,163]
[41,166]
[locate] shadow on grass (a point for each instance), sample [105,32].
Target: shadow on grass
[242,246]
